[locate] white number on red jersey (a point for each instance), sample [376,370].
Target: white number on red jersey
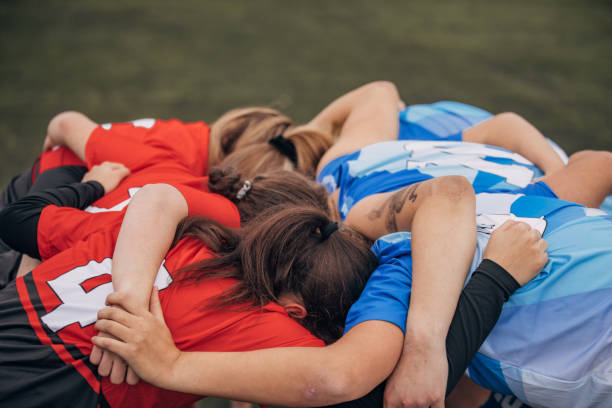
[81,304]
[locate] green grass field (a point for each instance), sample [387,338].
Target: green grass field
[549,60]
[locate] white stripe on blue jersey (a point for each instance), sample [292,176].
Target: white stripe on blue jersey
[388,166]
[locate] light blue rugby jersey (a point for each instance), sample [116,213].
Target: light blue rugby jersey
[444,120]
[552,345]
[389,166]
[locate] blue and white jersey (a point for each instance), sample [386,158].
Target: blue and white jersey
[552,345]
[389,166]
[444,120]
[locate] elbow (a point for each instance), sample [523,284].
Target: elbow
[455,188]
[164,197]
[63,123]
[386,88]
[510,119]
[336,385]
[155,194]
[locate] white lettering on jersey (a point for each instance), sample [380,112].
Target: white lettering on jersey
[492,210]
[487,223]
[147,123]
[469,155]
[79,305]
[116,207]
[144,123]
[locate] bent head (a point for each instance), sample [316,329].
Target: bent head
[240,139]
[287,248]
[241,127]
[293,251]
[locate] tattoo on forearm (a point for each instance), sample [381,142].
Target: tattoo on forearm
[395,204]
[412,189]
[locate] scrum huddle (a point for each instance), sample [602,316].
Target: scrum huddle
[373,255]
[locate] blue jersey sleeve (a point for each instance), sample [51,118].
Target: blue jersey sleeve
[387,294]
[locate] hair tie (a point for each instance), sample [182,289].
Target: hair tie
[242,192]
[329,229]
[285,146]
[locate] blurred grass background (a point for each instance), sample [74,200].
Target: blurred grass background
[549,60]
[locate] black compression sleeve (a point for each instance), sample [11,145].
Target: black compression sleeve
[477,312]
[58,176]
[19,221]
[478,309]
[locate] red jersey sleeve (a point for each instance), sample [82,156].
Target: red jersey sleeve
[210,205]
[149,142]
[59,228]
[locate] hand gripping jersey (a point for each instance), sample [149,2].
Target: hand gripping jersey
[47,317]
[389,166]
[552,345]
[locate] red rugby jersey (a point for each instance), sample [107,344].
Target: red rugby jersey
[158,151]
[62,297]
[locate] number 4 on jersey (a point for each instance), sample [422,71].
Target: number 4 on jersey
[83,291]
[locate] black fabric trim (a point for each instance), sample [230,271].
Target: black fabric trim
[72,349]
[19,220]
[478,309]
[58,176]
[55,338]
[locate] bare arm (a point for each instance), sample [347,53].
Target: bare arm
[440,214]
[296,376]
[360,117]
[144,239]
[145,236]
[71,129]
[512,132]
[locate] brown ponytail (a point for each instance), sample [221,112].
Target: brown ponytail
[242,127]
[240,138]
[283,252]
[267,190]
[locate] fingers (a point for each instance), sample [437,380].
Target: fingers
[106,364]
[119,368]
[96,355]
[113,328]
[131,377]
[117,315]
[155,305]
[119,168]
[112,345]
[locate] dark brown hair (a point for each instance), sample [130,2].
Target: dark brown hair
[283,252]
[267,190]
